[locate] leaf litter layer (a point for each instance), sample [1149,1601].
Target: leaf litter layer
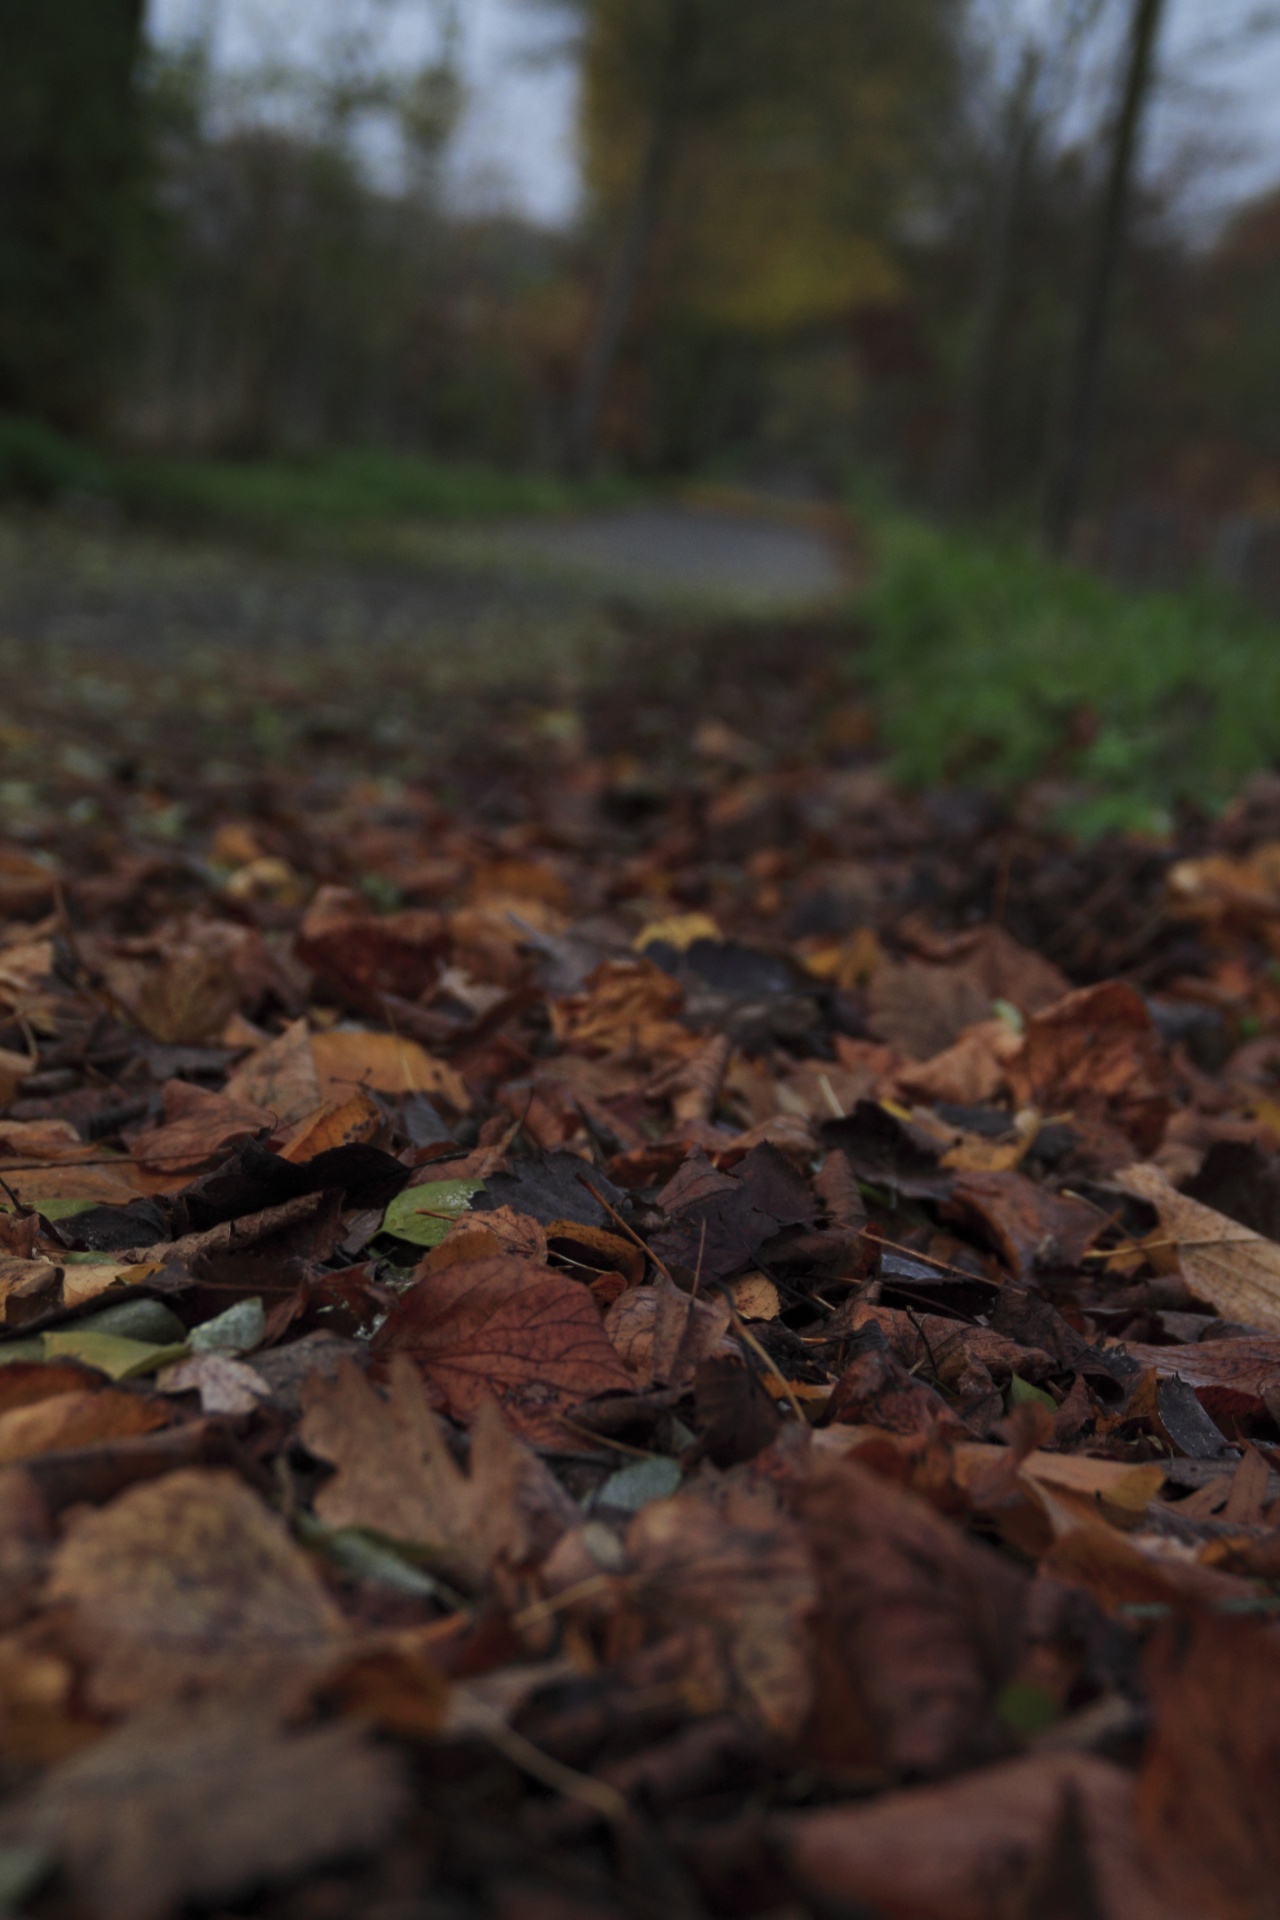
[601,1315]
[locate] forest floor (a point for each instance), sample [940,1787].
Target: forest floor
[604,1315]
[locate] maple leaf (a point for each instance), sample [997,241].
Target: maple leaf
[396,1475]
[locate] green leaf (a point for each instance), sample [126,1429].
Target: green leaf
[1023,1394]
[1026,1708]
[423,1215]
[371,1559]
[147,1320]
[634,1487]
[239,1329]
[110,1353]
[57,1207]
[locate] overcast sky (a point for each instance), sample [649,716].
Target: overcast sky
[516,145]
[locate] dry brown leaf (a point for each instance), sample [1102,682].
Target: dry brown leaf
[224,1385]
[508,1330]
[738,1566]
[48,1140]
[197,1127]
[629,1006]
[179,1806]
[918,1627]
[479,1236]
[1030,1226]
[365,954]
[923,1010]
[280,1078]
[661,1334]
[1098,1052]
[1020,1839]
[1233,1269]
[397,1476]
[179,990]
[77,1419]
[968,1073]
[189,1584]
[1206,1800]
[348,1059]
[341,1124]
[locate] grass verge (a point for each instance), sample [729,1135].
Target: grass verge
[993,665]
[355,488]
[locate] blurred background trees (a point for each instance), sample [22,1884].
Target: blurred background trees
[829,241]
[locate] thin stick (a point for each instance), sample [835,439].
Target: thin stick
[596,1794]
[630,1231]
[603,1440]
[767,1359]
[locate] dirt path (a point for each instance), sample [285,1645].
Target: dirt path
[746,558]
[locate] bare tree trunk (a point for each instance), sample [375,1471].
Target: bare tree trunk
[1084,390]
[964,476]
[622,289]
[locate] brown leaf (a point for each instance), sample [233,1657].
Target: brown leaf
[343,1123]
[206,1805]
[661,1334]
[968,1073]
[737,1565]
[1206,1800]
[364,954]
[1227,1376]
[82,1419]
[919,1625]
[280,1078]
[1097,1051]
[508,1330]
[1052,1834]
[923,1010]
[397,1475]
[348,1060]
[1030,1226]
[1232,1268]
[188,1584]
[178,990]
[197,1127]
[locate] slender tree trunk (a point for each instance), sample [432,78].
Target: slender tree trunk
[1084,388]
[622,289]
[964,473]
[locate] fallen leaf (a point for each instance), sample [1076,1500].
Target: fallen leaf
[1031,1227]
[340,1124]
[397,1476]
[1097,1051]
[923,1010]
[1232,1268]
[197,1127]
[1025,1837]
[206,1805]
[189,1585]
[423,1215]
[280,1078]
[224,1385]
[349,1059]
[365,954]
[507,1329]
[739,1567]
[662,1335]
[77,1419]
[918,1628]
[1206,1803]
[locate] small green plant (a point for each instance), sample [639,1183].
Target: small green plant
[996,666]
[39,465]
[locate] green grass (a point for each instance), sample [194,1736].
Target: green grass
[351,489]
[363,485]
[993,665]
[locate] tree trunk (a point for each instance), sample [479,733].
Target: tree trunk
[1084,388]
[964,474]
